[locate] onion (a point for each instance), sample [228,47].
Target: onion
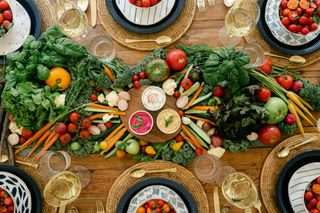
[102,127]
[182,101]
[94,130]
[123,95]
[13,139]
[123,105]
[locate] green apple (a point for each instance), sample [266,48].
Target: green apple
[277,109]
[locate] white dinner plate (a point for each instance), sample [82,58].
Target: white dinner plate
[18,190]
[298,184]
[20,30]
[145,16]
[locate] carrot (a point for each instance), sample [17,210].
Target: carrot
[304,102]
[293,97]
[211,108]
[47,146]
[192,137]
[117,113]
[52,134]
[99,115]
[195,96]
[93,105]
[293,111]
[36,136]
[301,113]
[200,119]
[109,73]
[113,133]
[41,139]
[112,142]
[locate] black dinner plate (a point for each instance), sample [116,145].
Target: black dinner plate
[282,196]
[178,188]
[265,32]
[31,7]
[31,184]
[163,24]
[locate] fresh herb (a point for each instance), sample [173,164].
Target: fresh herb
[139,124]
[287,129]
[183,156]
[168,121]
[197,54]
[311,93]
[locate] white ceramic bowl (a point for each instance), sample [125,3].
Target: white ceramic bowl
[304,204]
[145,16]
[159,94]
[12,21]
[174,112]
[135,114]
[280,32]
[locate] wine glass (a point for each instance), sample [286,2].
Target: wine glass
[240,20]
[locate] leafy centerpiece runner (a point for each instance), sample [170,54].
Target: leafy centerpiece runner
[59,96]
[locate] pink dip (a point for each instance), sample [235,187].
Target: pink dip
[141,122]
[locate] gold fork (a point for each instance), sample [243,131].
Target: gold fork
[100,208]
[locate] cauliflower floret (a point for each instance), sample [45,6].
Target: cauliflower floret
[60,100]
[169,86]
[112,98]
[14,128]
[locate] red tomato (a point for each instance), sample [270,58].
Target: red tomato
[286,81]
[137,84]
[299,11]
[4,5]
[303,20]
[86,123]
[283,4]
[198,151]
[264,94]
[153,2]
[72,128]
[286,21]
[108,124]
[179,138]
[310,11]
[304,31]
[299,28]
[146,3]
[286,12]
[181,113]
[310,20]
[142,75]
[293,16]
[176,94]
[176,59]
[161,203]
[292,28]
[8,201]
[7,15]
[74,117]
[22,140]
[313,202]
[84,134]
[269,134]
[216,141]
[313,26]
[1,18]
[139,3]
[266,68]
[217,91]
[27,133]
[93,97]
[65,138]
[135,78]
[6,24]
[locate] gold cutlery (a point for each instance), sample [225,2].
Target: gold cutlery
[257,205]
[216,200]
[161,40]
[83,4]
[93,12]
[138,173]
[295,59]
[4,158]
[100,208]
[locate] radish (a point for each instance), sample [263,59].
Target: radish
[94,130]
[13,139]
[122,105]
[123,95]
[182,101]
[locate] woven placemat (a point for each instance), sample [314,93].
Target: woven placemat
[273,166]
[183,176]
[310,58]
[45,8]
[175,31]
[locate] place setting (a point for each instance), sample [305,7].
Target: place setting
[90,124]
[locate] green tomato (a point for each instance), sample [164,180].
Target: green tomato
[133,147]
[96,147]
[212,102]
[103,145]
[75,146]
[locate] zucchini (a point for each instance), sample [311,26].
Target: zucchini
[195,111]
[202,142]
[191,90]
[202,98]
[93,109]
[111,153]
[200,132]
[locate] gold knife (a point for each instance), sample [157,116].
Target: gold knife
[93,12]
[216,200]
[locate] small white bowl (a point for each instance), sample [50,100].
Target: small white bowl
[174,112]
[10,6]
[135,114]
[157,93]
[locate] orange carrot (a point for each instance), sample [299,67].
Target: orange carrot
[113,141]
[109,73]
[292,96]
[101,107]
[36,136]
[117,113]
[292,109]
[211,108]
[304,102]
[113,133]
[47,146]
[192,137]
[200,119]
[301,114]
[52,134]
[41,139]
[195,96]
[99,115]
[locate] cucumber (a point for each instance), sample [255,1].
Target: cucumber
[202,142]
[93,109]
[191,90]
[200,132]
[185,135]
[202,98]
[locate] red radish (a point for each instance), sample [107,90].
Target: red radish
[94,130]
[122,105]
[216,141]
[182,101]
[108,125]
[102,127]
[61,128]
[297,86]
[72,128]
[290,119]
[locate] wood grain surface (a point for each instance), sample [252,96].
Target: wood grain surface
[135,104]
[104,172]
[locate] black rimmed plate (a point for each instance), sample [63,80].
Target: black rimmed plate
[282,195]
[176,187]
[31,184]
[265,32]
[31,7]
[166,22]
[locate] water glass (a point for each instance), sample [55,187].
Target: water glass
[83,173]
[257,51]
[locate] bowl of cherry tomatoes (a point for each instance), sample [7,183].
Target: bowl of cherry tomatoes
[6,201]
[6,18]
[157,206]
[145,3]
[312,196]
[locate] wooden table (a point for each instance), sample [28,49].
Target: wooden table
[105,171]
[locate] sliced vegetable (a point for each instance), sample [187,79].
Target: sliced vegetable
[192,89]
[182,101]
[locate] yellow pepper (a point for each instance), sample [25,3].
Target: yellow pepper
[177,146]
[143,143]
[150,150]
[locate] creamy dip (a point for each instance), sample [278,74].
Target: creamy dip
[153,98]
[141,122]
[168,121]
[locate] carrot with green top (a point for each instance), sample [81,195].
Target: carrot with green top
[292,96]
[108,138]
[200,119]
[41,139]
[292,109]
[46,146]
[192,137]
[52,134]
[109,73]
[195,96]
[206,108]
[113,141]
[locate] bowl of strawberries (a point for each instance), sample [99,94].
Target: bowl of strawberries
[6,18]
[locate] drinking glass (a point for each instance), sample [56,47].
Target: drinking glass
[240,20]
[257,51]
[209,169]
[239,190]
[99,44]
[83,173]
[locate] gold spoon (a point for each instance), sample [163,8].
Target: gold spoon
[83,4]
[139,173]
[161,40]
[284,152]
[5,158]
[295,59]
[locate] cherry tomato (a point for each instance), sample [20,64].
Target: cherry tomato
[108,124]
[152,203]
[84,134]
[318,180]
[310,11]
[74,117]
[308,195]
[317,4]
[283,4]
[299,28]
[132,1]
[198,151]
[139,3]
[293,16]
[135,78]
[161,203]
[217,91]
[310,20]
[146,3]
[304,31]
[286,12]
[153,2]
[27,133]
[264,94]
[267,67]
[286,21]
[292,28]
[313,202]
[6,24]
[319,11]
[10,208]
[65,138]
[179,138]
[142,75]
[4,5]
[86,123]
[137,84]
[93,97]
[313,26]
[7,15]
[8,201]
[22,140]
[299,11]
[303,20]
[72,128]
[181,113]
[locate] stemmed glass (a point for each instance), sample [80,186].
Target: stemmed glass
[240,20]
